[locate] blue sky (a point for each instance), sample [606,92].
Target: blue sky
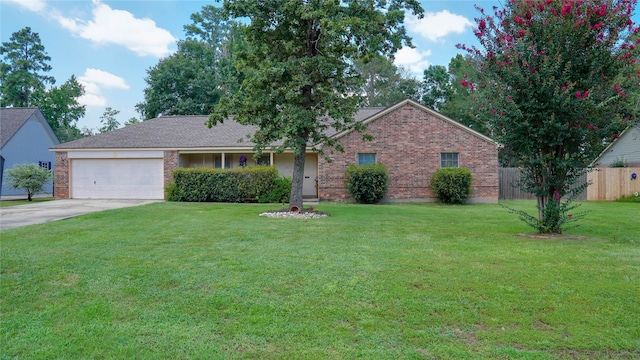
[109,45]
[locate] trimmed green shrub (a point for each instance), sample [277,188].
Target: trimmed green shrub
[452,185]
[222,185]
[279,193]
[367,183]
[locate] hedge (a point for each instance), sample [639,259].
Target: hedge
[250,184]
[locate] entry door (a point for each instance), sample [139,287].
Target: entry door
[309,184]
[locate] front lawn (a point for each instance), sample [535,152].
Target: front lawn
[215,281]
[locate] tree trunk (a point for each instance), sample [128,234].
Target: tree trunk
[295,198]
[29,196]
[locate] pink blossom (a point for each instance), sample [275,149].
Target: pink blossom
[585,95]
[597,26]
[518,20]
[564,88]
[556,194]
[578,94]
[464,83]
[482,25]
[566,10]
[570,215]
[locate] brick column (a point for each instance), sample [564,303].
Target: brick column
[170,164]
[61,176]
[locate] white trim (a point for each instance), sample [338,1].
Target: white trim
[115,154]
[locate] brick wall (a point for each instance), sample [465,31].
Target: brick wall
[61,176]
[170,164]
[409,141]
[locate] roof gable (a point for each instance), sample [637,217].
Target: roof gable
[13,119]
[622,147]
[379,114]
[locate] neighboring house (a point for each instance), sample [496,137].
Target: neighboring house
[25,137]
[624,150]
[412,141]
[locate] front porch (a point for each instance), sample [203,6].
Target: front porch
[231,159]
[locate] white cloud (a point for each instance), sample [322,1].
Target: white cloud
[435,26]
[94,80]
[120,27]
[412,59]
[31,5]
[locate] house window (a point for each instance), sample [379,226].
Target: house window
[366,158]
[218,162]
[45,164]
[264,160]
[448,160]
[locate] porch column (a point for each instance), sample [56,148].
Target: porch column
[271,158]
[222,162]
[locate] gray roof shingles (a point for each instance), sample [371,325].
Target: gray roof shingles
[11,120]
[178,132]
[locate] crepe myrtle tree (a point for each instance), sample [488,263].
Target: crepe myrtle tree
[299,69]
[554,78]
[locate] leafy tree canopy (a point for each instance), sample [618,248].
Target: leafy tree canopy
[108,120]
[555,77]
[191,81]
[384,83]
[23,67]
[436,86]
[60,107]
[299,68]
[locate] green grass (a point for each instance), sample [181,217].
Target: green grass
[215,281]
[4,203]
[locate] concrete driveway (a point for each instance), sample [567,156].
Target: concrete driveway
[42,212]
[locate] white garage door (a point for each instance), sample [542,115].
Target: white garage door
[117,179]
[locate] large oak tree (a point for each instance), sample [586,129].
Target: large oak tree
[299,68]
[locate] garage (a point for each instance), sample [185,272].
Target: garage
[99,178]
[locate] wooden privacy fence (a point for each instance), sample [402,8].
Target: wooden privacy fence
[612,183]
[509,188]
[606,184]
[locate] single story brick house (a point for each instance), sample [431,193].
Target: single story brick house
[135,162]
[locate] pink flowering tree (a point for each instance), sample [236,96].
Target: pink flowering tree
[555,77]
